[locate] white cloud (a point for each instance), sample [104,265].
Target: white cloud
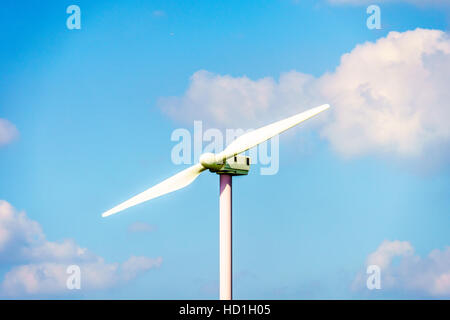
[22,240]
[50,277]
[239,102]
[135,265]
[159,13]
[8,132]
[383,256]
[390,97]
[404,272]
[39,265]
[139,226]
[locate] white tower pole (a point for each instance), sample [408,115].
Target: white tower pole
[225,246]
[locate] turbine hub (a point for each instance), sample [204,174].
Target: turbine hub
[208,160]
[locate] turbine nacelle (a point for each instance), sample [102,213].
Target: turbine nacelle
[208,161]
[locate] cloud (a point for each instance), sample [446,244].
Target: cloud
[40,266]
[383,256]
[8,132]
[136,265]
[138,226]
[403,272]
[389,97]
[159,13]
[50,278]
[22,240]
[239,102]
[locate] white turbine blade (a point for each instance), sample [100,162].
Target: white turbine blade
[253,138]
[178,181]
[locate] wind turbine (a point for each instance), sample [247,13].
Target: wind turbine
[227,164]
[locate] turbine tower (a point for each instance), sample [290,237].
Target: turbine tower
[227,163]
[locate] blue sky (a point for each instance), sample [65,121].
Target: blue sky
[92,129]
